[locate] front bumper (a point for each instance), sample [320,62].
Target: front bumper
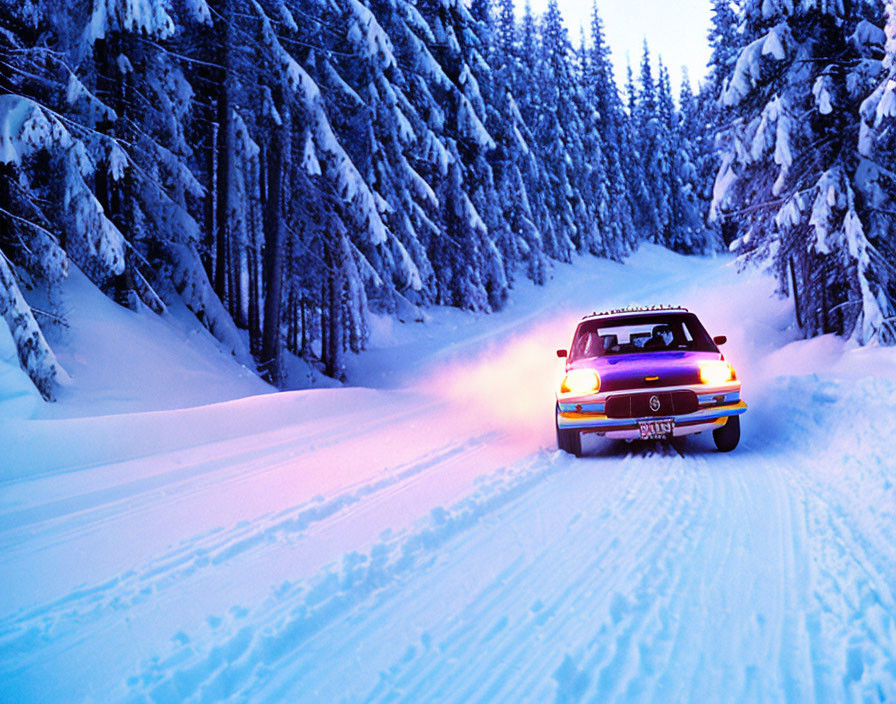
[587,414]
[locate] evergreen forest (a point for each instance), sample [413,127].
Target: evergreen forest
[283,168]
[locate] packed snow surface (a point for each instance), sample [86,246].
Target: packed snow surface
[416,536]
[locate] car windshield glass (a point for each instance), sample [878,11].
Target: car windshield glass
[640,334]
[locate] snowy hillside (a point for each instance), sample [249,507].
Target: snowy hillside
[119,361]
[416,536]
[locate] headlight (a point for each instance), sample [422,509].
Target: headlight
[580,381]
[716,373]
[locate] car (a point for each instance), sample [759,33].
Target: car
[646,373]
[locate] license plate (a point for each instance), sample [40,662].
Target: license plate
[659,429]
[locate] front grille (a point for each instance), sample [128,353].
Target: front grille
[672,403]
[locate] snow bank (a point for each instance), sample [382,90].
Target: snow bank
[18,397]
[60,445]
[120,361]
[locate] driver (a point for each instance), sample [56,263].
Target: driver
[661,338]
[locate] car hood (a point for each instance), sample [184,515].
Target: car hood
[631,371]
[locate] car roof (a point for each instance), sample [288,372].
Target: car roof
[636,310]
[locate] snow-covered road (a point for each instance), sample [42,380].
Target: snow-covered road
[422,540]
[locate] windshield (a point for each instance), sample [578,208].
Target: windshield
[640,334]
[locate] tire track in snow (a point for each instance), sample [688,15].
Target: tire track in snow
[625,607]
[853,623]
[643,637]
[297,612]
[496,600]
[602,663]
[851,561]
[492,613]
[240,463]
[21,634]
[429,680]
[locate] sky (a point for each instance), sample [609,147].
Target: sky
[675,29]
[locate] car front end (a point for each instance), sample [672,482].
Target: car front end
[702,396]
[619,384]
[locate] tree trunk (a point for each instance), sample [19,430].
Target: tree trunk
[254,301]
[324,325]
[116,197]
[823,290]
[273,255]
[224,171]
[256,227]
[292,334]
[210,205]
[105,89]
[729,230]
[796,295]
[333,365]
[235,283]
[304,351]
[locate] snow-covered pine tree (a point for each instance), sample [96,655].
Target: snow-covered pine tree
[650,193]
[724,41]
[590,163]
[601,94]
[698,115]
[467,262]
[666,144]
[35,355]
[636,188]
[792,169]
[42,213]
[685,230]
[876,185]
[382,132]
[420,120]
[139,144]
[147,189]
[314,196]
[517,237]
[556,130]
[478,37]
[526,90]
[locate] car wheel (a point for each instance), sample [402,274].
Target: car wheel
[727,437]
[567,440]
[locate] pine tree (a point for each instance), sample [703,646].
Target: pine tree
[723,40]
[43,219]
[686,231]
[667,138]
[518,237]
[594,178]
[650,193]
[474,272]
[609,115]
[555,131]
[700,123]
[877,190]
[529,96]
[792,170]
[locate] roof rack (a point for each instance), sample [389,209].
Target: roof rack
[636,309]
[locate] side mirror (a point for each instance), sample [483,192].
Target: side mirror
[720,339]
[561,353]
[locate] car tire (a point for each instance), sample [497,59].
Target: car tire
[567,440]
[727,437]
